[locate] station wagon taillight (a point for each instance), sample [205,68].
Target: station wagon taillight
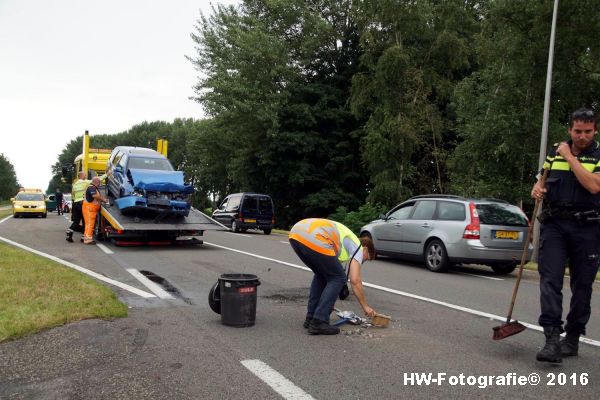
[472,230]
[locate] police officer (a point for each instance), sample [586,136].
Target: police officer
[569,233]
[323,245]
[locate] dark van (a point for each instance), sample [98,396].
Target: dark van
[242,211]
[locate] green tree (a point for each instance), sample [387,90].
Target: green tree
[277,79]
[415,53]
[8,179]
[499,107]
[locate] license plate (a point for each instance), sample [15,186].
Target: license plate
[250,220]
[507,235]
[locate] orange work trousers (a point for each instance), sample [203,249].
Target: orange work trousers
[89,211]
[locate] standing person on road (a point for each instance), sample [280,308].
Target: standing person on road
[77,194]
[91,206]
[58,196]
[571,197]
[323,245]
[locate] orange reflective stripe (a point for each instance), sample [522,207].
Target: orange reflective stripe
[311,245]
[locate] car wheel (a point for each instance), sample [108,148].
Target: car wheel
[436,258]
[504,269]
[267,231]
[234,226]
[44,215]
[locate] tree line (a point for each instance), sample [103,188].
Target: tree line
[333,105]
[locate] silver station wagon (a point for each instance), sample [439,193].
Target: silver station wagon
[444,230]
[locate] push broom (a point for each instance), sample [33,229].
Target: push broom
[510,328]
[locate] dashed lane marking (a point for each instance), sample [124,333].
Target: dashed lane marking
[104,248]
[279,383]
[154,288]
[86,271]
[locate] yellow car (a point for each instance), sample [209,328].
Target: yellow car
[29,202]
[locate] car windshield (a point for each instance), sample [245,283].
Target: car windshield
[150,163]
[30,197]
[501,214]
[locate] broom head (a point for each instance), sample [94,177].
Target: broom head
[508,329]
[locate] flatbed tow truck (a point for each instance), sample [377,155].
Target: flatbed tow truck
[126,230]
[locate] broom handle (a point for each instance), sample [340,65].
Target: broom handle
[529,233]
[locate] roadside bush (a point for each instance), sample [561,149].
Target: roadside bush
[356,219]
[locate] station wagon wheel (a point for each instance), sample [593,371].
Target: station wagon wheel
[436,258]
[504,269]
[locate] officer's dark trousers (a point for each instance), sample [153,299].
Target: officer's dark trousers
[565,241]
[77,224]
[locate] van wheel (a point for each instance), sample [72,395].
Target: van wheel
[267,231]
[504,269]
[436,258]
[234,226]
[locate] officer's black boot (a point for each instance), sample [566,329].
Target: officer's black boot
[569,345]
[70,236]
[551,351]
[318,327]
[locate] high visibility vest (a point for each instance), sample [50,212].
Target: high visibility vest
[564,190]
[324,236]
[80,186]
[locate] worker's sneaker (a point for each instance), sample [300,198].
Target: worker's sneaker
[569,345]
[551,351]
[318,327]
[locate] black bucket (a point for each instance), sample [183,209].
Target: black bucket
[238,299]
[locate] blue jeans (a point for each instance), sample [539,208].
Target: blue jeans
[327,282]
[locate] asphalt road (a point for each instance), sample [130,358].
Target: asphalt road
[178,349]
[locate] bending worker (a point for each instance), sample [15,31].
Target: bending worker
[91,206]
[78,192]
[570,231]
[323,245]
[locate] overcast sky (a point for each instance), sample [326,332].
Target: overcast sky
[67,66]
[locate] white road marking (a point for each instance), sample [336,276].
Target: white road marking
[284,242]
[9,217]
[275,380]
[154,288]
[239,234]
[81,269]
[481,276]
[104,248]
[261,257]
[412,296]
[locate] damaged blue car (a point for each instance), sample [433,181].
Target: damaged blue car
[144,181]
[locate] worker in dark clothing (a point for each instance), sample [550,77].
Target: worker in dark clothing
[570,232]
[58,196]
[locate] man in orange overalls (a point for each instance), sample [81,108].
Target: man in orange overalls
[91,206]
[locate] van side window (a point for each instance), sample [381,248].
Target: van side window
[234,201]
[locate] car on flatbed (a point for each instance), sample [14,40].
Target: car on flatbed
[443,230]
[144,181]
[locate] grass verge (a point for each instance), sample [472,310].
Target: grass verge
[37,294]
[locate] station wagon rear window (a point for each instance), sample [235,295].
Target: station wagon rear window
[501,214]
